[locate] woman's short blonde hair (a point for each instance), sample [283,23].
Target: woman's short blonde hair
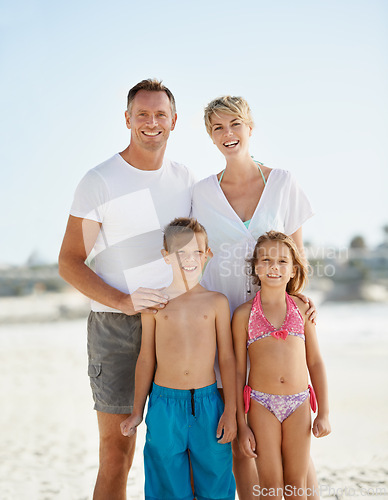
[231,105]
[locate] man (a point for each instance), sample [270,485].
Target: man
[115,221]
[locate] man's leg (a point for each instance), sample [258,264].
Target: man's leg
[116,457]
[113,346]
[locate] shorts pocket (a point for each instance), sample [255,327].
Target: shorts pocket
[94,370]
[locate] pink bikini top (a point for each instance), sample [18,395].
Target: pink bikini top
[259,327]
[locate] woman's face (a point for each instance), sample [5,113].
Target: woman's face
[230,134]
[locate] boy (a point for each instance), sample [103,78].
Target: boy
[185,411]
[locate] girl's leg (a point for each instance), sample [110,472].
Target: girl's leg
[268,434]
[312,482]
[296,452]
[245,473]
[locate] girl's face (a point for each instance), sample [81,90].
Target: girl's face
[274,265]
[230,134]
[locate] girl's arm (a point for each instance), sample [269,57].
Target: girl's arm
[316,367]
[240,319]
[144,375]
[227,423]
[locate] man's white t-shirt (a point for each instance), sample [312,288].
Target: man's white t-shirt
[133,207]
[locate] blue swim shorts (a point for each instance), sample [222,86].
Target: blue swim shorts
[179,422]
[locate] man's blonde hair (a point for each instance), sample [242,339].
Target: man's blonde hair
[231,105]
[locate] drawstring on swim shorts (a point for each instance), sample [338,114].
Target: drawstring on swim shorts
[192,391]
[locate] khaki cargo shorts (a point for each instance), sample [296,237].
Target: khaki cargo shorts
[113,347]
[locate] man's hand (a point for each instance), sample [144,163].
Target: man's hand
[143,300]
[246,441]
[311,313]
[228,425]
[129,425]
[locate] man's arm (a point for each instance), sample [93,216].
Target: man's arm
[79,239]
[144,375]
[227,364]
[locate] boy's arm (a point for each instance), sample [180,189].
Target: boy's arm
[321,426]
[227,364]
[246,438]
[144,375]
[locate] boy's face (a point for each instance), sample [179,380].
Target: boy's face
[188,259]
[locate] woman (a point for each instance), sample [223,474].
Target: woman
[236,206]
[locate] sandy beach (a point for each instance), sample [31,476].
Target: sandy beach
[49,439]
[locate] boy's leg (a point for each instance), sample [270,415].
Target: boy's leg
[210,460]
[116,457]
[166,460]
[268,435]
[296,451]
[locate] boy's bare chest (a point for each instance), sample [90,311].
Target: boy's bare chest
[195,313]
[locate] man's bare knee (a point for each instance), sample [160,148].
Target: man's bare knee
[116,450]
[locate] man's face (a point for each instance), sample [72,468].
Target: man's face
[150,120]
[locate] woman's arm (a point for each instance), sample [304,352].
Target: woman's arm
[312,310]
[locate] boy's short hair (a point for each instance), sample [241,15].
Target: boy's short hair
[184,228]
[151,85]
[299,281]
[231,105]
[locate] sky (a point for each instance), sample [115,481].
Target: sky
[315,74]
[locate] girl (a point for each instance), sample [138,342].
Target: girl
[283,348]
